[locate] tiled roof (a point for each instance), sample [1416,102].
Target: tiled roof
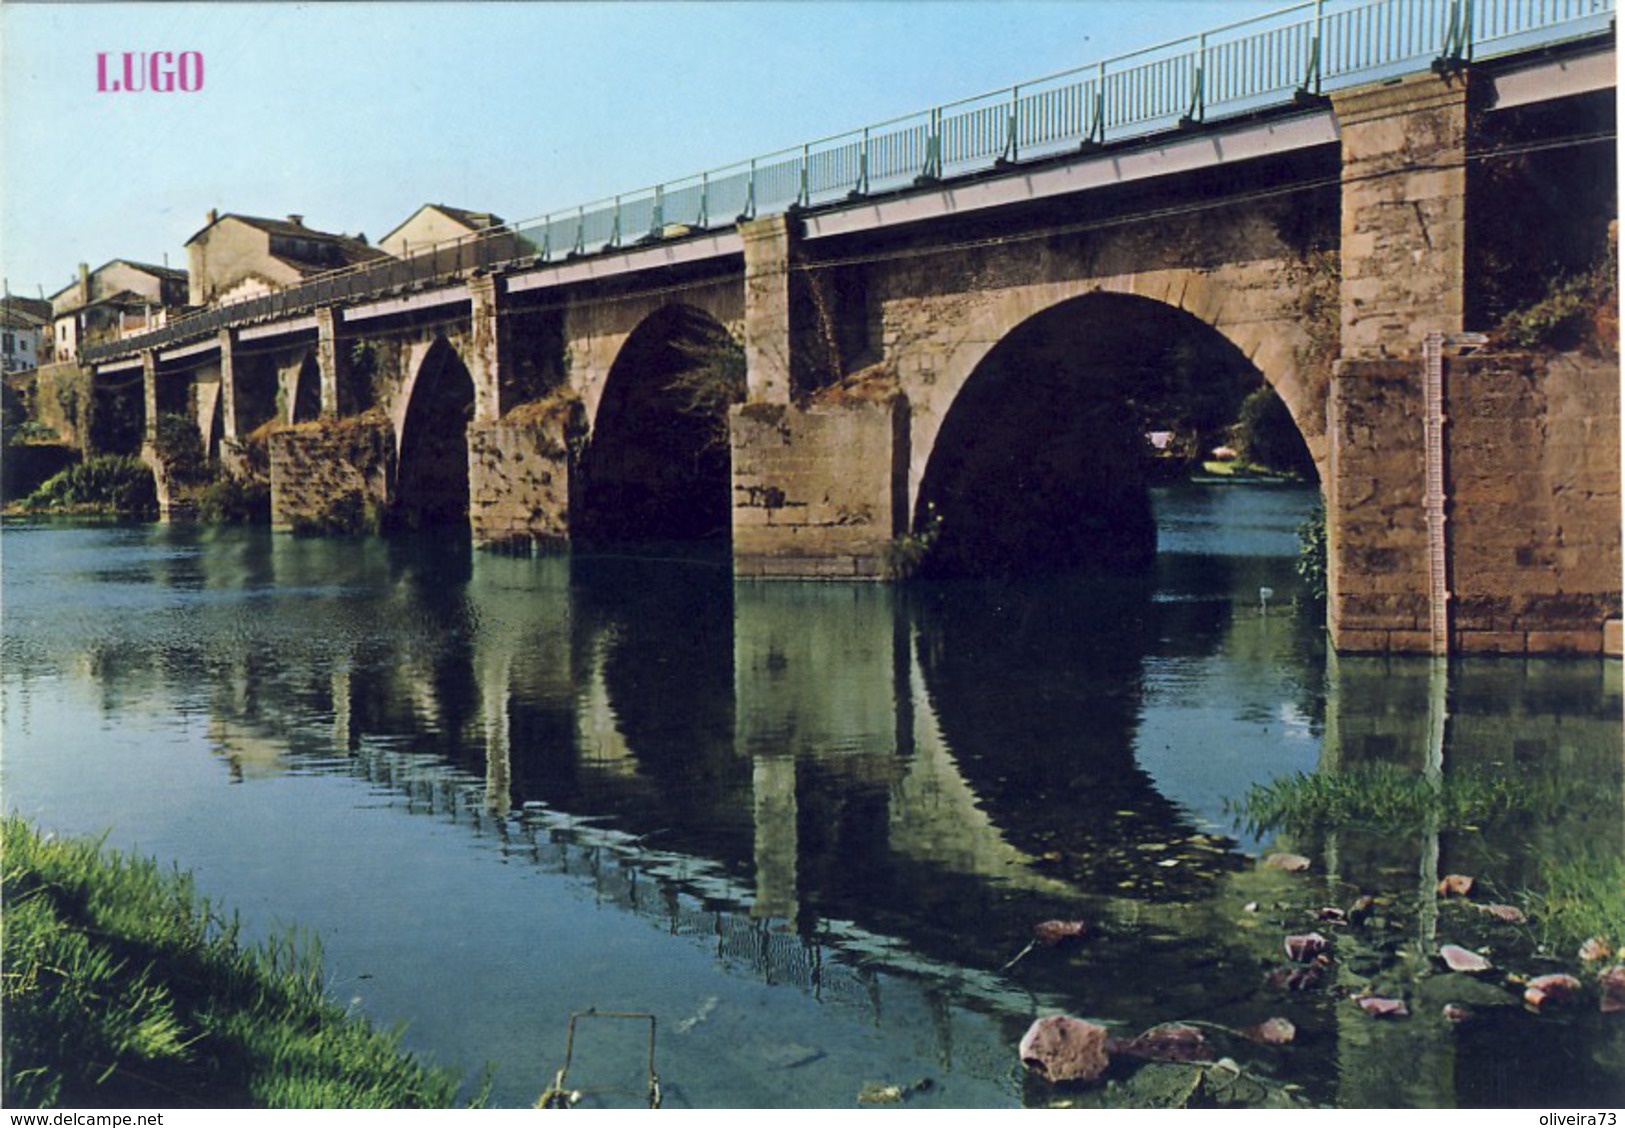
[350,253]
[156,271]
[473,220]
[18,309]
[479,221]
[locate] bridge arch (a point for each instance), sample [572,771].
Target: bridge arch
[1030,452]
[431,421]
[657,466]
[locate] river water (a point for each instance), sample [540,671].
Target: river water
[808,826]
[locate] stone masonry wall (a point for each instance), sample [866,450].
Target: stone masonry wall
[1532,481]
[1533,477]
[817,492]
[1377,537]
[1404,212]
[519,475]
[333,475]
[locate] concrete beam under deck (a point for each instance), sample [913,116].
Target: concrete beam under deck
[1553,78]
[305,324]
[195,349]
[609,265]
[412,303]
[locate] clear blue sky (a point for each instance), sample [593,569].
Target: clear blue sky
[354,114]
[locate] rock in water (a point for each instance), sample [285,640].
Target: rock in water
[1455,885]
[1612,982]
[1378,1007]
[1172,1041]
[1594,949]
[1053,932]
[1305,947]
[1457,958]
[1550,989]
[1292,863]
[1272,1032]
[1060,1048]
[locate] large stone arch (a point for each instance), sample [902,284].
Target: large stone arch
[656,464]
[1269,331]
[597,328]
[1028,449]
[429,419]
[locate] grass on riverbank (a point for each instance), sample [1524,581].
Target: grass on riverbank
[122,987]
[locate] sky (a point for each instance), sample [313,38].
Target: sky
[355,114]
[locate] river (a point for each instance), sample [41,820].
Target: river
[808,826]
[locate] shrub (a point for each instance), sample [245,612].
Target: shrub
[712,379]
[108,483]
[906,555]
[1268,435]
[1311,566]
[235,501]
[181,449]
[1577,310]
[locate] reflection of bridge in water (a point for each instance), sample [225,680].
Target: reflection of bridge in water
[854,761]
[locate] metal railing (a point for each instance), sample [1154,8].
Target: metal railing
[1259,63]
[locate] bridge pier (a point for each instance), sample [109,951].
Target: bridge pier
[1507,538]
[818,491]
[1404,225]
[332,362]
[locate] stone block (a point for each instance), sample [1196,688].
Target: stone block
[519,472]
[335,474]
[817,490]
[1490,642]
[1564,642]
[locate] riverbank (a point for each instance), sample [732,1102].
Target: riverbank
[123,987]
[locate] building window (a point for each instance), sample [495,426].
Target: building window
[10,344]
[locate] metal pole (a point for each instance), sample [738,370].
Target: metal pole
[1097,128]
[863,164]
[1311,80]
[804,195]
[1194,114]
[1012,144]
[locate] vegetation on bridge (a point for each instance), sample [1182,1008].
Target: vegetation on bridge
[123,987]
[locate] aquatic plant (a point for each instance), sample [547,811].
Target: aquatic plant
[122,986]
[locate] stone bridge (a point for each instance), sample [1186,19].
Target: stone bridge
[955,362]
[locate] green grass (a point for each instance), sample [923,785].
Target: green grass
[122,987]
[1392,798]
[1583,895]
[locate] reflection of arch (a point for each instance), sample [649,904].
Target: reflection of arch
[657,466]
[1040,717]
[1038,462]
[432,476]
